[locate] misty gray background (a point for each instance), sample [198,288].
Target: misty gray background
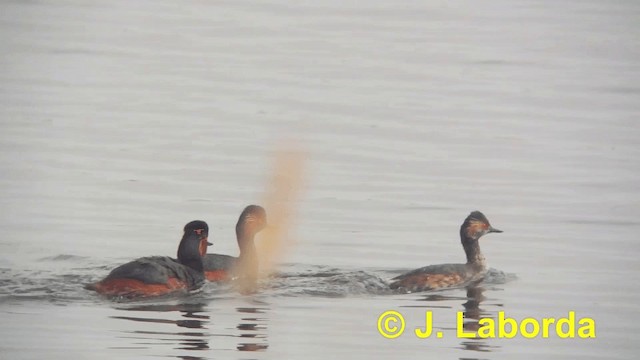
[120,121]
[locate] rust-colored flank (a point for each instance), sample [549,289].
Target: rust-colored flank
[432,281]
[131,287]
[217,275]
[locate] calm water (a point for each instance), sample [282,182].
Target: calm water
[120,122]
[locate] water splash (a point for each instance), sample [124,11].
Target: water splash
[65,282]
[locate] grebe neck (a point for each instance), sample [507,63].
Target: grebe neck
[246,244]
[474,255]
[248,259]
[189,252]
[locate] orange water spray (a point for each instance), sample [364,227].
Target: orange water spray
[281,197]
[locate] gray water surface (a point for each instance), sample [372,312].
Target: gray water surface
[121,121]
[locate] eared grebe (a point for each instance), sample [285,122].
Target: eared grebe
[159,275]
[222,267]
[448,275]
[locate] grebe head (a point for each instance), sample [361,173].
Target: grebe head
[476,225]
[194,244]
[198,226]
[251,221]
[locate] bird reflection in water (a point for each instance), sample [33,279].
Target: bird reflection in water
[252,327]
[472,314]
[192,317]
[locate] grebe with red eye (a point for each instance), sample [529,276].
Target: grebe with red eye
[219,267]
[160,275]
[449,275]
